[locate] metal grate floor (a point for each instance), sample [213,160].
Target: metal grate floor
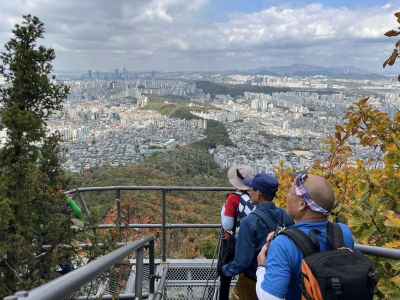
[192,279]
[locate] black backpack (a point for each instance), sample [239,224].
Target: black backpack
[337,274]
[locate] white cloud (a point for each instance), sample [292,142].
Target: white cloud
[158,10]
[175,34]
[168,10]
[311,23]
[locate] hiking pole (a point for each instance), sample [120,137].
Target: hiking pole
[216,253]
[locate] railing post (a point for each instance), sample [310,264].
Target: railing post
[139,274]
[163,229]
[83,202]
[151,267]
[119,220]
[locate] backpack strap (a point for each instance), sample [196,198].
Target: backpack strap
[246,206]
[302,241]
[335,235]
[268,218]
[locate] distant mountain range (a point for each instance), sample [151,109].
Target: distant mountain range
[310,70]
[301,70]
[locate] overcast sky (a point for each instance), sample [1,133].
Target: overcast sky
[170,35]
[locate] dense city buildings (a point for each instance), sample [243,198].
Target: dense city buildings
[95,133]
[107,119]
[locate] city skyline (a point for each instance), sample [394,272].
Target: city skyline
[205,35]
[122,121]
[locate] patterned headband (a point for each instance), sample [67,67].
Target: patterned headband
[301,191]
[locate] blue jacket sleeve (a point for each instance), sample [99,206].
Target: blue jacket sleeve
[244,250]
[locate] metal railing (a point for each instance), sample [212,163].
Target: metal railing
[164,190]
[67,284]
[64,286]
[369,250]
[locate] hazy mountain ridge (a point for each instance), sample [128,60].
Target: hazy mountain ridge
[313,70]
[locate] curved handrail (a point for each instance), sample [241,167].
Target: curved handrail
[370,250]
[152,188]
[67,284]
[378,251]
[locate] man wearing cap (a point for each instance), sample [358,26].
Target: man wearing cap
[237,206]
[309,201]
[253,230]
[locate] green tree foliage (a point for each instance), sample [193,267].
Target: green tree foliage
[235,90]
[216,132]
[32,210]
[186,166]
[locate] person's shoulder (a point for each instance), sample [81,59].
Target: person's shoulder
[251,218]
[283,241]
[233,196]
[245,196]
[344,226]
[347,234]
[250,221]
[283,248]
[345,229]
[232,201]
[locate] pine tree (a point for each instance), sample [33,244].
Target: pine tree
[32,208]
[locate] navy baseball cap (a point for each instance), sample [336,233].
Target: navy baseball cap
[266,184]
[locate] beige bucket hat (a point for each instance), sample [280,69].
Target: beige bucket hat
[237,173]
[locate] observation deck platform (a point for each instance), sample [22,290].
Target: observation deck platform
[133,272]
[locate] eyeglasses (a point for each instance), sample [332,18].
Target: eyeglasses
[302,191]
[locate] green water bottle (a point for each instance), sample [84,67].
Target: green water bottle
[76,210]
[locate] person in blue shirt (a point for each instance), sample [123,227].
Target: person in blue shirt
[253,230]
[309,201]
